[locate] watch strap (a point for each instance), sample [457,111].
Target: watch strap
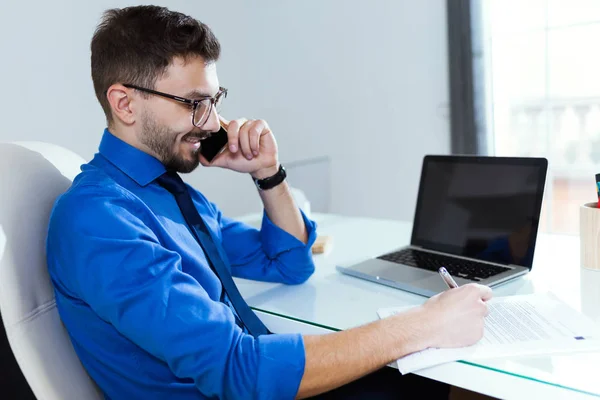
[271,181]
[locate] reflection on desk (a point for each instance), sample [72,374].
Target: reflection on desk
[336,301]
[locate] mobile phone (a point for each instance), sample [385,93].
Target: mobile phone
[214,145]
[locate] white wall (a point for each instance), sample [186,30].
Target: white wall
[362,82]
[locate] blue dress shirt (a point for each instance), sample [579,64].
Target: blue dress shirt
[140,301]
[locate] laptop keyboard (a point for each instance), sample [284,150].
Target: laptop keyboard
[465,269]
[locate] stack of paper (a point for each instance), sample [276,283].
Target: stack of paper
[516,326]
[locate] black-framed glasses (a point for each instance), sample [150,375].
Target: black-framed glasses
[201,108]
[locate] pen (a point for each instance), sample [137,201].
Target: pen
[447,278]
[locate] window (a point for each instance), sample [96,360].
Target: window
[540,69]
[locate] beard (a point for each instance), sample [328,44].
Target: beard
[163,142]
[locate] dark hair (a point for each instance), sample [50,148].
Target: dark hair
[136,45]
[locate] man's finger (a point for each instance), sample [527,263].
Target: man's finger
[233,129]
[244,139]
[485,292]
[255,132]
[486,309]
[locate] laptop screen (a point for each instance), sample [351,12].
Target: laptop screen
[482,207]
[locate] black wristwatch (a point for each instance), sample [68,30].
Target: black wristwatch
[271,181]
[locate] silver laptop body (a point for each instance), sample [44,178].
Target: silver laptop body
[477,216]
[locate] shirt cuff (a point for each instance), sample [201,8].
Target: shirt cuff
[275,240]
[281,366]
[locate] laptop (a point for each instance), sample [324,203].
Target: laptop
[477,216]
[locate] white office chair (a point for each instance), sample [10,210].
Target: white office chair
[32,175]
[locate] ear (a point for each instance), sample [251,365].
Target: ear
[121,103]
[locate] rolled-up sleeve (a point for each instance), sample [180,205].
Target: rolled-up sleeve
[131,281]
[269,254]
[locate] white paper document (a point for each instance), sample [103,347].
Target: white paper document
[516,326]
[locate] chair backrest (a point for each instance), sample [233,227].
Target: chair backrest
[32,175]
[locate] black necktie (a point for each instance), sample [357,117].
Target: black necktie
[173,183]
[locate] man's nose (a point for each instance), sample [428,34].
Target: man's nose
[212,124]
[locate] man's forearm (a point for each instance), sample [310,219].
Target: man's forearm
[282,210]
[332,360]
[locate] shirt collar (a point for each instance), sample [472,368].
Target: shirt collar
[139,166]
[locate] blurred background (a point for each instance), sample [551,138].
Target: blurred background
[356,92]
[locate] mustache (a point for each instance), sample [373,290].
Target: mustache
[197,135]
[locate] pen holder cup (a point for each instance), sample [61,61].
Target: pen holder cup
[589,236]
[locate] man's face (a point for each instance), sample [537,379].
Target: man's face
[166,125]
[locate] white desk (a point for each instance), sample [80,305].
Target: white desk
[333,301]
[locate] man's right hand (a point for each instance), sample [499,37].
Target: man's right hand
[451,319]
[455,318]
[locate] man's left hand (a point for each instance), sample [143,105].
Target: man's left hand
[251,148]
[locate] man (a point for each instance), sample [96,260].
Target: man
[142,263]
